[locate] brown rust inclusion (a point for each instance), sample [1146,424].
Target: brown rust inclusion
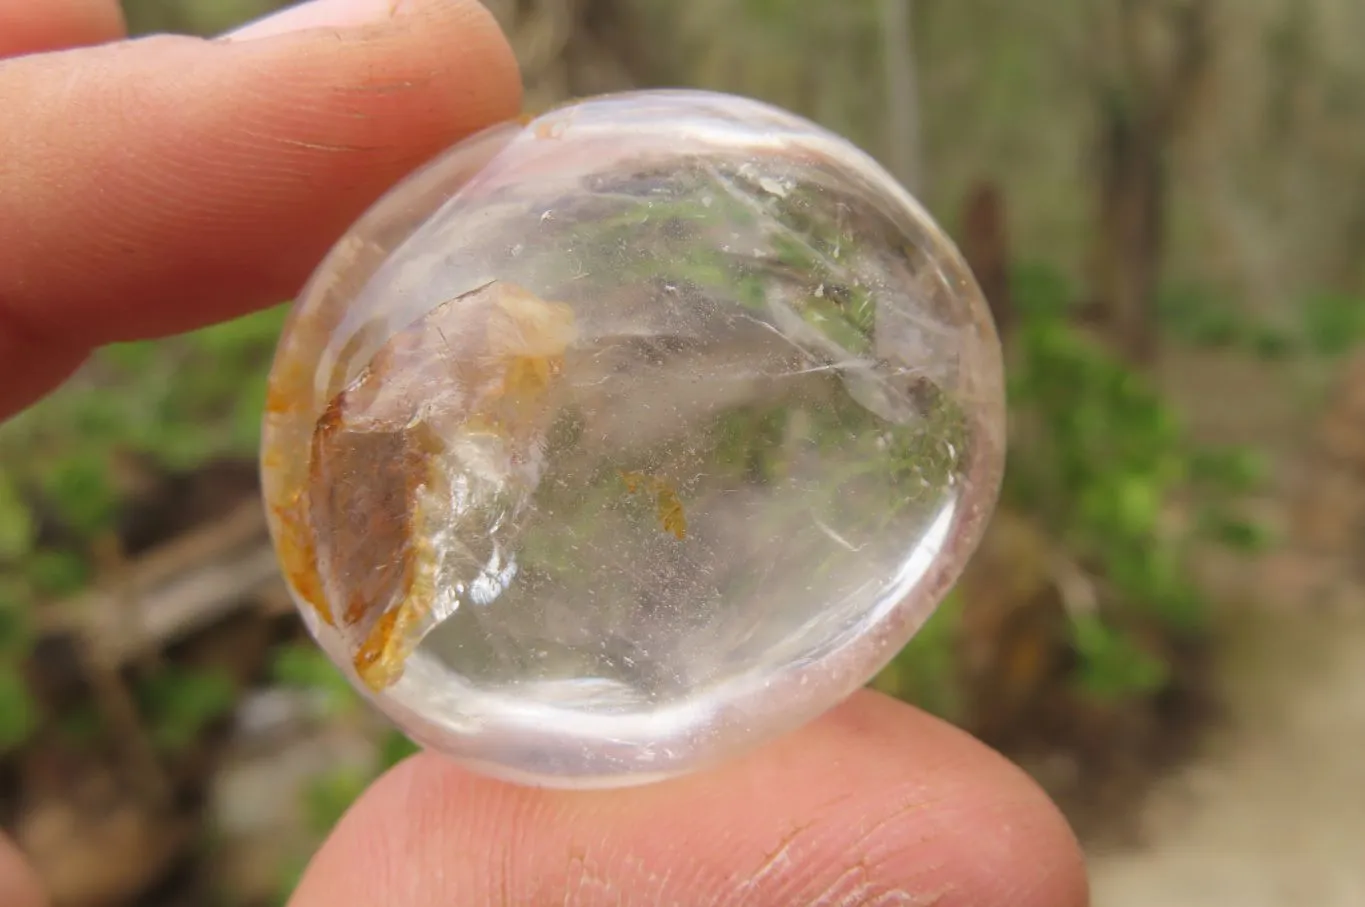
[479,367]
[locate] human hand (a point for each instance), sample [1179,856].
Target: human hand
[153,186]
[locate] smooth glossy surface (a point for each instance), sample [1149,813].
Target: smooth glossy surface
[612,444]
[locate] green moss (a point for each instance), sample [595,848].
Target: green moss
[307,667]
[925,672]
[1100,459]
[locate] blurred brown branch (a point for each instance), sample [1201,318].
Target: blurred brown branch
[174,590]
[1164,50]
[905,157]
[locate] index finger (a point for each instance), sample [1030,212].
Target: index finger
[27,27]
[153,186]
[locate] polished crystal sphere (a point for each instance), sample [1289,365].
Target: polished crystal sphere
[617,441]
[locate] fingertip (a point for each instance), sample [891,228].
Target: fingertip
[951,820]
[31,366]
[18,884]
[874,803]
[1015,847]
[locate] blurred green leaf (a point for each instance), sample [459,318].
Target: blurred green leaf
[395,748]
[307,667]
[1197,316]
[1236,532]
[181,703]
[14,610]
[1040,291]
[1272,344]
[331,794]
[1101,459]
[925,671]
[1112,665]
[56,573]
[1235,470]
[138,356]
[292,869]
[1334,324]
[16,523]
[80,724]
[17,714]
[81,488]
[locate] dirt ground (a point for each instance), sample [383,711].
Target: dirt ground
[1271,812]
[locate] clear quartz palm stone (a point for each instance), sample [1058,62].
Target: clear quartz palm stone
[613,443]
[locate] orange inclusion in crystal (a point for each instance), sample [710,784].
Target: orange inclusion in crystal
[671,516]
[380,659]
[289,414]
[667,504]
[298,560]
[277,401]
[355,611]
[370,660]
[524,339]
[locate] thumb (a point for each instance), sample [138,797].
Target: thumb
[18,885]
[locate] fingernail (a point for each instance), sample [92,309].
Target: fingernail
[319,14]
